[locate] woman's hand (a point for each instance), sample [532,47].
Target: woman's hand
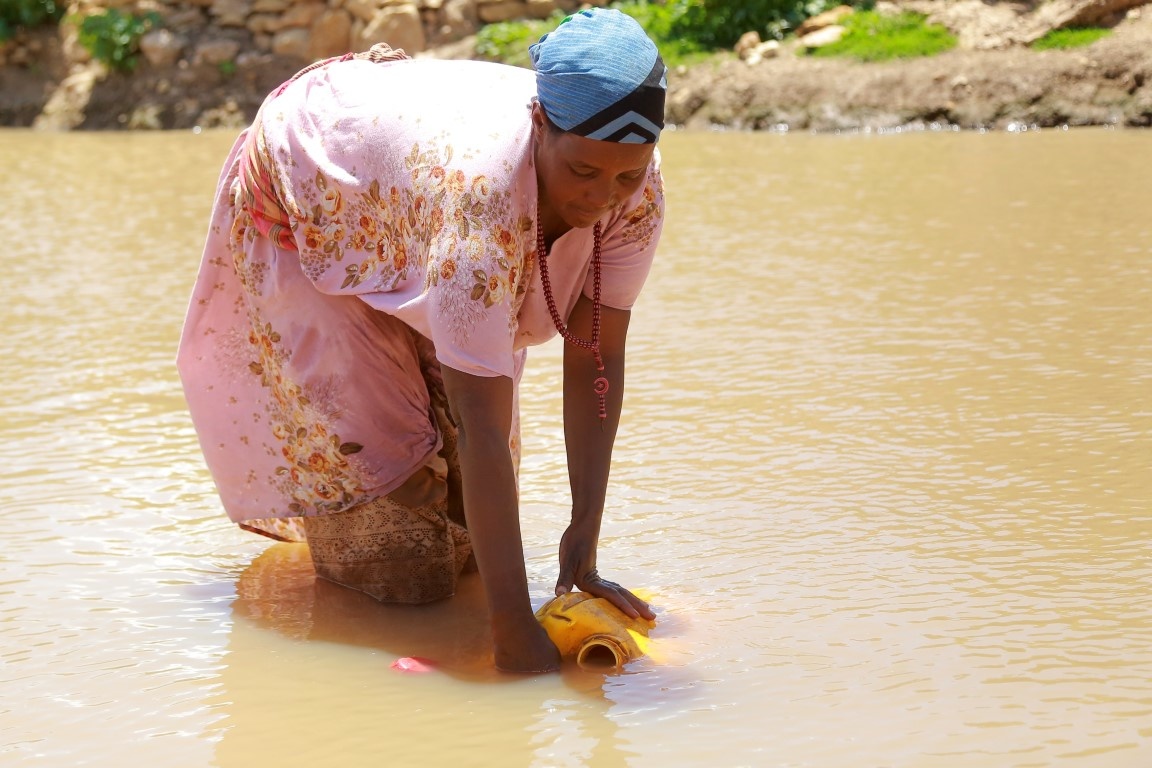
[578,568]
[522,645]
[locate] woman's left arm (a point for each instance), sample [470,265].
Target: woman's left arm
[589,442]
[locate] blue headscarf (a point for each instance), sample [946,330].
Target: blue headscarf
[599,76]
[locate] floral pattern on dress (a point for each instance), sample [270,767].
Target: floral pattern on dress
[642,221]
[251,273]
[318,472]
[366,241]
[462,224]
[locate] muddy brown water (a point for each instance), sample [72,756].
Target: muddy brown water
[885,471]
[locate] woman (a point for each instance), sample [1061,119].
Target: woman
[388,238]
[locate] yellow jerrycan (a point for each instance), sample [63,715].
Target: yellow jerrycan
[593,631]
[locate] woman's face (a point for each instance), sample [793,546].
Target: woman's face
[582,179]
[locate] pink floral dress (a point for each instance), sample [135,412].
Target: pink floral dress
[406,194]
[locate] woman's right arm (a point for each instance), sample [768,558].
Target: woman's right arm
[482,409]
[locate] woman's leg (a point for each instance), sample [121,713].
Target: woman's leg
[407,546]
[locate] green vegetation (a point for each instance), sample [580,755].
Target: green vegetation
[114,37]
[661,23]
[1074,37]
[684,30]
[717,24]
[508,41]
[876,37]
[16,14]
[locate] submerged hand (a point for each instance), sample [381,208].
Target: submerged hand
[578,568]
[523,646]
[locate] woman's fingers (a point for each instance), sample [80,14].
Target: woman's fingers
[573,551]
[566,578]
[620,597]
[641,606]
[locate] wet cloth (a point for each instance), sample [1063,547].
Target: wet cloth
[400,548]
[410,193]
[395,553]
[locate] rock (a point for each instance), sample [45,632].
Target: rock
[331,34]
[216,51]
[495,11]
[70,45]
[188,19]
[145,117]
[230,13]
[291,42]
[162,48]
[746,43]
[363,10]
[264,23]
[397,25]
[302,15]
[65,107]
[765,50]
[823,37]
[823,20]
[227,115]
[540,9]
[457,20]
[459,49]
[270,6]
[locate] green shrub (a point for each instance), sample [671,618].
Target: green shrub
[872,36]
[114,37]
[1073,37]
[16,14]
[508,41]
[659,21]
[714,24]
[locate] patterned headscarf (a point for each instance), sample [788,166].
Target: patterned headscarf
[599,76]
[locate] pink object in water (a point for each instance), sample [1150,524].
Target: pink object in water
[412,664]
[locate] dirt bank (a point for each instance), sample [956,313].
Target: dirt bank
[1107,83]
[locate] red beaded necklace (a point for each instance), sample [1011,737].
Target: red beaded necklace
[600,385]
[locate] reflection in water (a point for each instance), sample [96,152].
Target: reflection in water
[884,470]
[315,645]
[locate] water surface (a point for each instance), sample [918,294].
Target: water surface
[884,471]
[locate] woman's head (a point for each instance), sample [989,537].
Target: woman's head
[599,112]
[599,76]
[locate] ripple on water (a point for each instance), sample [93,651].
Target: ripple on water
[883,471]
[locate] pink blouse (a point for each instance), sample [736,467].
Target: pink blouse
[411,195]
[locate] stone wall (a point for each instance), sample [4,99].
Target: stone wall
[211,62]
[217,31]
